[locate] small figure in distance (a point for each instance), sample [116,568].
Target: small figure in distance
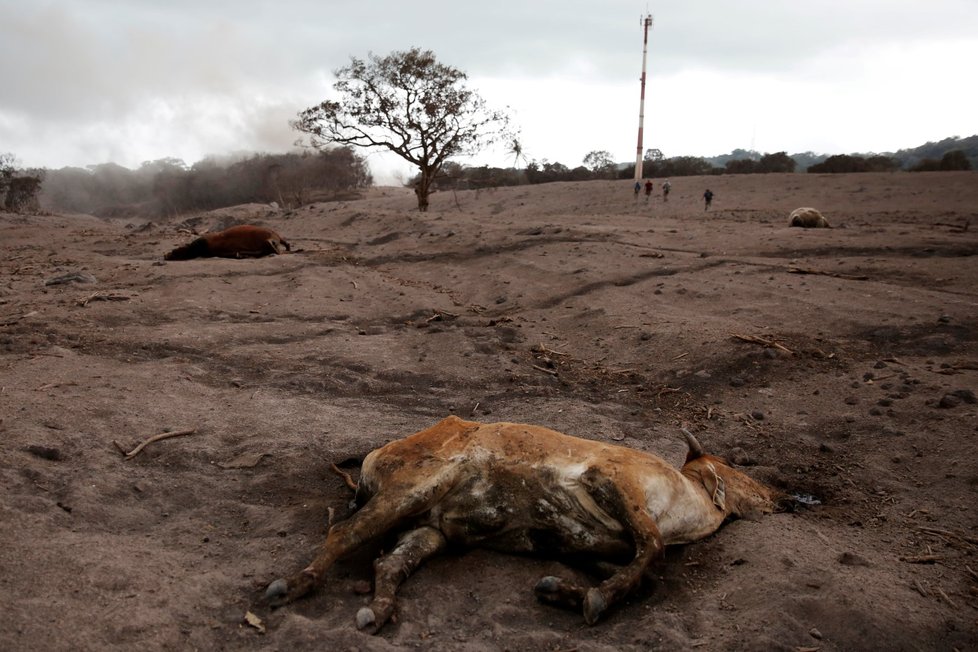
[708,198]
[666,187]
[648,190]
[638,189]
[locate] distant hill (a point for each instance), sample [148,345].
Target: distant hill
[907,158]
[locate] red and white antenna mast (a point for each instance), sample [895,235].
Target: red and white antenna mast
[646,24]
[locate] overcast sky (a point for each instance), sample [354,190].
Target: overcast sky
[91,81]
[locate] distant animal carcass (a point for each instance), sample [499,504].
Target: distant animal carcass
[808,218]
[526,489]
[244,241]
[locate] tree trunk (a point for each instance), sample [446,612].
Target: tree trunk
[422,188]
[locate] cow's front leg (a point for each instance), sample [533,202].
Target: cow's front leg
[374,519]
[412,549]
[626,502]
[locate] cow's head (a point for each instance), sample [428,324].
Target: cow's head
[734,493]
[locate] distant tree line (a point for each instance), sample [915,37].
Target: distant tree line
[19,189]
[842,163]
[954,160]
[167,186]
[599,165]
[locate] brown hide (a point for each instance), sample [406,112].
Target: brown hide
[808,218]
[244,241]
[528,489]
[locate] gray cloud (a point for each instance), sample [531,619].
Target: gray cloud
[228,75]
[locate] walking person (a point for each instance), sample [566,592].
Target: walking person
[648,190]
[708,198]
[638,189]
[666,187]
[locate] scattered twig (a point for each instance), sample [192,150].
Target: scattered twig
[552,372]
[163,435]
[439,315]
[355,286]
[101,296]
[347,479]
[945,596]
[543,349]
[920,589]
[879,378]
[973,574]
[680,356]
[753,339]
[474,408]
[948,534]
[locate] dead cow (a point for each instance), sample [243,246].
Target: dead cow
[244,241]
[527,489]
[808,218]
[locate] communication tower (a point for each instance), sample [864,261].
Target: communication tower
[646,23]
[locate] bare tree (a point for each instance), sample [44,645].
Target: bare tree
[407,103]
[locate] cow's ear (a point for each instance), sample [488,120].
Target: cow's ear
[715,486]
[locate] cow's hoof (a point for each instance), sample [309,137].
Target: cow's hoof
[594,606]
[548,584]
[366,619]
[277,590]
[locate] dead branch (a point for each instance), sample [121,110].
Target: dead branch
[946,597]
[439,315]
[547,351]
[163,435]
[818,272]
[948,534]
[347,479]
[920,589]
[753,339]
[101,296]
[552,372]
[971,572]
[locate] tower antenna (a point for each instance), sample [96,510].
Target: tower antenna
[646,22]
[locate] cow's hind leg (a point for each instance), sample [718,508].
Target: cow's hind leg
[412,549]
[627,504]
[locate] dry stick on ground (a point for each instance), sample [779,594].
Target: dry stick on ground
[543,349]
[753,339]
[100,296]
[163,435]
[347,479]
[544,370]
[973,574]
[805,270]
[948,534]
[920,588]
[946,597]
